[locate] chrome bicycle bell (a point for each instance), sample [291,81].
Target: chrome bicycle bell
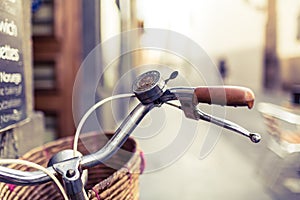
[149,87]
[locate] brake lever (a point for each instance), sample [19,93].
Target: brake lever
[188,101]
[254,137]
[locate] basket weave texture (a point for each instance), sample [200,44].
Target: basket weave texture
[117,178]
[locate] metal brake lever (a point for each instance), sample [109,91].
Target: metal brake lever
[188,101]
[254,137]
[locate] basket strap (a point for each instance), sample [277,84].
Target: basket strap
[96,194]
[130,179]
[46,153]
[143,162]
[11,187]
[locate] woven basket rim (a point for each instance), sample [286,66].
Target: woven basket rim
[107,186]
[82,136]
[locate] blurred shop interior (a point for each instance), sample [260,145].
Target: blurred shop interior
[80,56]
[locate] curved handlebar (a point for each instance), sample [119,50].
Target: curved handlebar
[119,137]
[19,177]
[189,98]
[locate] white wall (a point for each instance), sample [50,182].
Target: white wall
[110,28]
[230,29]
[288,11]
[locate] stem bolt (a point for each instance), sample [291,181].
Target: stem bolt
[70,173]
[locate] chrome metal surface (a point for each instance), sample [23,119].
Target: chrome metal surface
[18,177]
[65,155]
[187,100]
[119,137]
[254,137]
[189,103]
[173,75]
[149,87]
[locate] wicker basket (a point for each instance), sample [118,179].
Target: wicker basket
[283,124]
[279,164]
[116,179]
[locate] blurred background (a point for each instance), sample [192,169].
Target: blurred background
[252,43]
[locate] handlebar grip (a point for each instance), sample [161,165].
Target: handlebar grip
[225,95]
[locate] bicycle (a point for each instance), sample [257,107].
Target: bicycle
[152,92]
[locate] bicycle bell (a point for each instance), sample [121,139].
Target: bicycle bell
[149,87]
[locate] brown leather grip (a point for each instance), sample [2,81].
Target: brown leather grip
[225,95]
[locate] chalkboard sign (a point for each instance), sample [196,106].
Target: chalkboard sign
[12,83]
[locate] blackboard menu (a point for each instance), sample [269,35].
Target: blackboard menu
[12,83]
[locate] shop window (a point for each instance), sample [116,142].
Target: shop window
[51,126]
[43,19]
[44,76]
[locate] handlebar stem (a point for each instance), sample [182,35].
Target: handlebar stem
[71,177]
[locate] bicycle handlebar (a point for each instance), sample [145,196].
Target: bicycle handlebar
[150,89]
[18,177]
[119,137]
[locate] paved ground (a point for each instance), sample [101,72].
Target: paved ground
[230,171]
